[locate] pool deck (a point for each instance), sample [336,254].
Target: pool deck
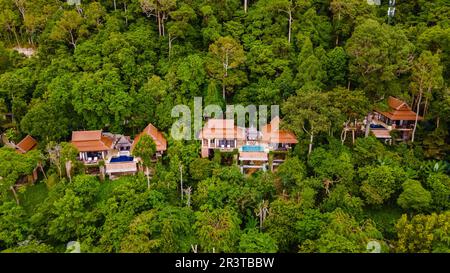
[125,159]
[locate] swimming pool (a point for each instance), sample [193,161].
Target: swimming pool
[376,126]
[251,148]
[122,158]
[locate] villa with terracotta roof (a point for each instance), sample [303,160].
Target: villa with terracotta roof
[157,136]
[220,134]
[92,145]
[114,150]
[253,146]
[399,117]
[276,138]
[27,144]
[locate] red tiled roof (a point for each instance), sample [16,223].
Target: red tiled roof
[397,104]
[107,141]
[91,141]
[399,110]
[277,136]
[86,135]
[158,138]
[26,144]
[221,129]
[281,136]
[401,115]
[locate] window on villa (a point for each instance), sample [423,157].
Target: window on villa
[94,156]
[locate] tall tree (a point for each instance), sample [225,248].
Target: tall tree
[337,66]
[13,165]
[217,230]
[60,154]
[46,121]
[69,28]
[145,149]
[289,7]
[9,19]
[226,53]
[20,4]
[311,72]
[310,113]
[180,26]
[379,54]
[281,221]
[37,14]
[426,77]
[345,14]
[159,9]
[69,155]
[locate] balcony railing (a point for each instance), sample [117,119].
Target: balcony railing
[92,161]
[379,122]
[406,127]
[226,147]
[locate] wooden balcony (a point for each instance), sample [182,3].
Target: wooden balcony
[93,161]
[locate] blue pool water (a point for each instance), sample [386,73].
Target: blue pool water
[248,148]
[376,126]
[122,158]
